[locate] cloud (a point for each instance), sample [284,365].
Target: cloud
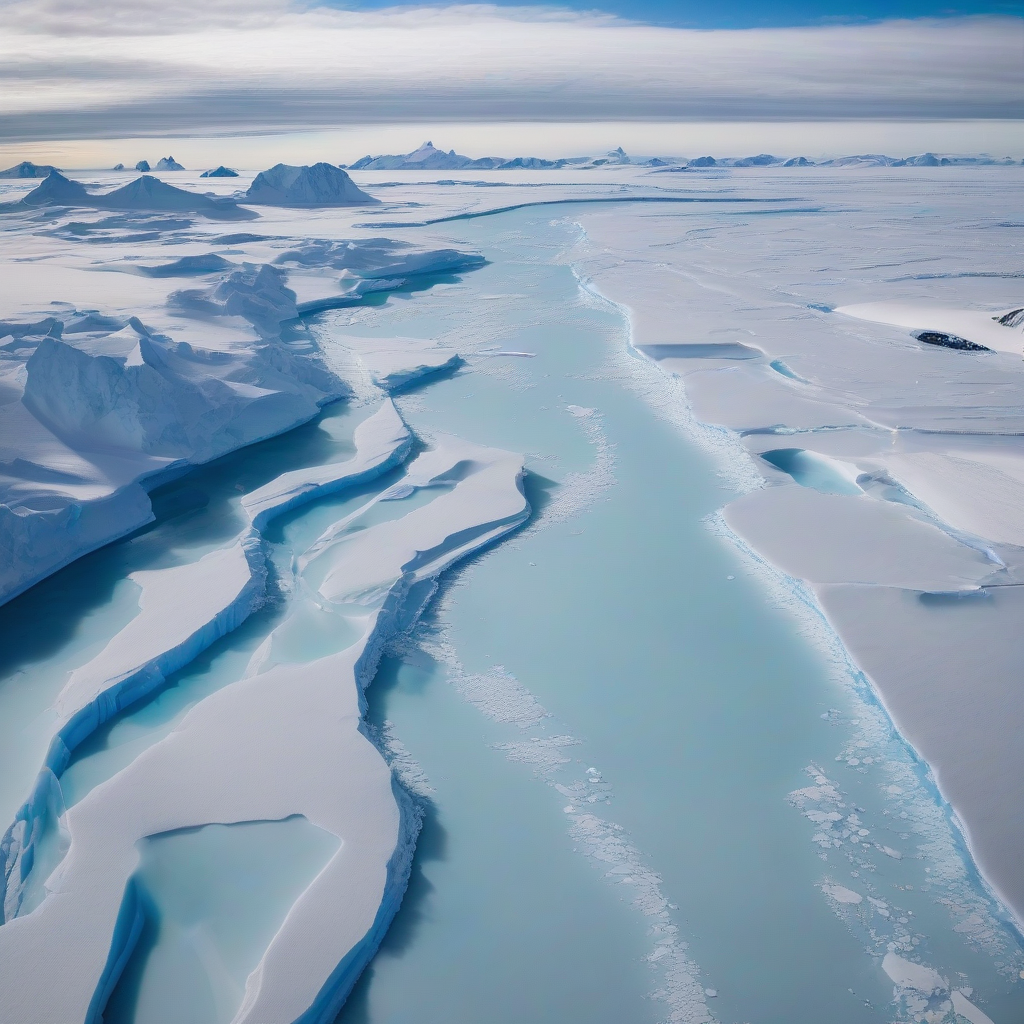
[71,68]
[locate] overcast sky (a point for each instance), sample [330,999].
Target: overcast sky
[81,68]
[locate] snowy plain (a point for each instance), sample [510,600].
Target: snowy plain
[876,468]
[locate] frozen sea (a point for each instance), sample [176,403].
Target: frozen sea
[653,786]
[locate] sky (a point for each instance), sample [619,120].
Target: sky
[775,13]
[80,69]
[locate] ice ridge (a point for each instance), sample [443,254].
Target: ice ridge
[144,193]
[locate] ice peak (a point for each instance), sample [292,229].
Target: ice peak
[27,169]
[322,184]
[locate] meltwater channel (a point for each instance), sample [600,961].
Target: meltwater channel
[612,718]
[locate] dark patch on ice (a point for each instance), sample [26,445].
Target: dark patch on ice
[1012,319]
[596,200]
[722,350]
[950,341]
[821,307]
[179,500]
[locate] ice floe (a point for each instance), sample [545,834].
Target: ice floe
[276,742]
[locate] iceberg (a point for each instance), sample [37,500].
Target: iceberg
[27,169]
[319,185]
[168,163]
[220,172]
[145,193]
[143,165]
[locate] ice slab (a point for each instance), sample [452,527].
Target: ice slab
[948,669]
[396,363]
[486,502]
[382,442]
[978,492]
[282,742]
[908,974]
[182,610]
[835,538]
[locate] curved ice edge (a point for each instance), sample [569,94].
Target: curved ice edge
[407,602]
[338,987]
[17,850]
[828,639]
[143,484]
[831,640]
[387,430]
[409,597]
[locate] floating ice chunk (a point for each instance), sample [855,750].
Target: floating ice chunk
[27,169]
[182,610]
[907,974]
[168,163]
[966,1009]
[486,502]
[841,894]
[382,442]
[220,172]
[395,363]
